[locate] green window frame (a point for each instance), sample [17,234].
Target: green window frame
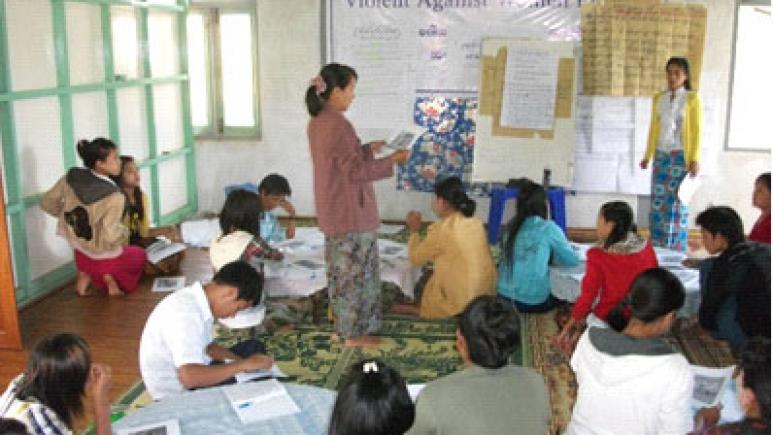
[17,202]
[216,129]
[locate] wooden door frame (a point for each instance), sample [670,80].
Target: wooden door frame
[10,336]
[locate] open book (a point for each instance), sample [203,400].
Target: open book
[163,248]
[264,400]
[709,384]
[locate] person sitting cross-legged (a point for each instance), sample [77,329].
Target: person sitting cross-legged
[489,396]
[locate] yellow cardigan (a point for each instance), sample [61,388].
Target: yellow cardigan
[463,266]
[692,126]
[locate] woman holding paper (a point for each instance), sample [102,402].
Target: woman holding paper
[344,172]
[674,142]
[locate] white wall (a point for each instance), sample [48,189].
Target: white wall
[290,54]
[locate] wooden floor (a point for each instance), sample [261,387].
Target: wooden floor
[111,326]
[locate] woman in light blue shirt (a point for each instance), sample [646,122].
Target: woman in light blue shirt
[532,240]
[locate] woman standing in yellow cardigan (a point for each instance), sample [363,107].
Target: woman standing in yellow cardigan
[458,249]
[674,141]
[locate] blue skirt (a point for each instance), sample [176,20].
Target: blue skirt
[668,216]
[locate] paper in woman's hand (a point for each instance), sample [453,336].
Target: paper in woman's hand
[400,141]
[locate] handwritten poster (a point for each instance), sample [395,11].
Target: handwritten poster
[529,94]
[626,45]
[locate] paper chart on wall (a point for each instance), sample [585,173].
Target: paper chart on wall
[595,173]
[612,126]
[626,45]
[529,94]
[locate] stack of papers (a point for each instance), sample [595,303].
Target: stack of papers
[258,401]
[198,233]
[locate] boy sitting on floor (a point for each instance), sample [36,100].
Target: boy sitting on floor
[177,351]
[735,286]
[490,396]
[274,190]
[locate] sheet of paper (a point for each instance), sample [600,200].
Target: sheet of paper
[631,178]
[612,140]
[273,372]
[581,249]
[709,384]
[595,173]
[400,141]
[257,401]
[414,390]
[529,93]
[389,248]
[583,124]
[390,229]
[642,115]
[613,112]
[199,233]
[164,284]
[166,427]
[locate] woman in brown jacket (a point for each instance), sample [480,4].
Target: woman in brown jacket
[90,207]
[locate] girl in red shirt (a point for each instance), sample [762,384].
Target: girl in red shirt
[761,200]
[611,266]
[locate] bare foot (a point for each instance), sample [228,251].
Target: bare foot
[112,286]
[362,341]
[82,283]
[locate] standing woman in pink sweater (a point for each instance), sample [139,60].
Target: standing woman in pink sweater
[344,172]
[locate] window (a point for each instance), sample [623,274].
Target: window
[78,69]
[749,126]
[222,70]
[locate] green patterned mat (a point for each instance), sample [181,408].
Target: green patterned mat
[421,350]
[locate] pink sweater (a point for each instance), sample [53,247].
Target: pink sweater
[343,174]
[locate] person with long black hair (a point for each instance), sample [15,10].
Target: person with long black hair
[373,400]
[611,266]
[532,242]
[457,247]
[629,380]
[51,393]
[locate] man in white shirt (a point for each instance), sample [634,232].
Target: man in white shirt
[177,351]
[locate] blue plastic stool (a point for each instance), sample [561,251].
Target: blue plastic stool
[248,186]
[500,195]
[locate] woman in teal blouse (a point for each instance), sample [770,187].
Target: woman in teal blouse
[532,241]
